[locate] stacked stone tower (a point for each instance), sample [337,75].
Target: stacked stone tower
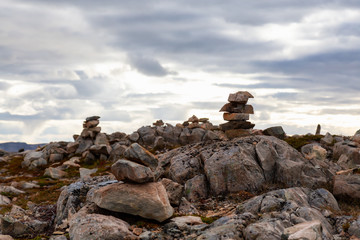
[236,112]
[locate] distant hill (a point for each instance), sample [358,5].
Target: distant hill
[15,146]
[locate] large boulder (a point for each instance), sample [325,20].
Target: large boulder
[148,200]
[174,190]
[130,171]
[184,167]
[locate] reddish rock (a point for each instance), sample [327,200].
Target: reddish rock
[240,97]
[235,116]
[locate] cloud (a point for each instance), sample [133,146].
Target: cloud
[147,66]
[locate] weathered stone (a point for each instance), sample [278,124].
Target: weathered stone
[139,154]
[6,237]
[174,190]
[100,149]
[117,152]
[84,145]
[10,189]
[54,173]
[276,132]
[236,116]
[235,133]
[327,139]
[4,200]
[347,186]
[318,130]
[147,135]
[92,118]
[237,108]
[352,153]
[170,134]
[71,147]
[33,156]
[159,142]
[232,169]
[240,97]
[117,137]
[184,167]
[196,188]
[313,151]
[203,120]
[97,226]
[125,170]
[236,125]
[134,136]
[307,230]
[186,208]
[210,136]
[193,119]
[271,229]
[91,124]
[158,123]
[90,132]
[85,172]
[196,135]
[354,228]
[56,157]
[147,200]
[228,227]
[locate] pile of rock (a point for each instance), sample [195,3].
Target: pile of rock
[91,143]
[237,113]
[137,193]
[195,122]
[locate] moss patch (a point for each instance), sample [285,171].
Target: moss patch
[298,142]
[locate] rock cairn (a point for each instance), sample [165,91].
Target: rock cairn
[137,193]
[236,112]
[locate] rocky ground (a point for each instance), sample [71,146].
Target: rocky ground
[189,181]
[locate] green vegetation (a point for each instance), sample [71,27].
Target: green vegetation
[208,220]
[298,141]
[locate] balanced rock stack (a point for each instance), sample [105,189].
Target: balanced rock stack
[237,113]
[91,144]
[137,193]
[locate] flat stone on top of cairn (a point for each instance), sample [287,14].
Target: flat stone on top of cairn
[237,113]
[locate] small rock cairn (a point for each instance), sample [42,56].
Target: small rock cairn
[237,113]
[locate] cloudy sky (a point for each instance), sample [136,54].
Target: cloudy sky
[133,62]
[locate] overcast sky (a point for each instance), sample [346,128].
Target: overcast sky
[133,62]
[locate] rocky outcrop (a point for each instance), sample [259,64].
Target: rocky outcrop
[131,171]
[248,164]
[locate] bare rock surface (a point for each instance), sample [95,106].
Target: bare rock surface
[148,200]
[247,164]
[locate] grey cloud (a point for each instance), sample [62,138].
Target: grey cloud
[170,112]
[147,66]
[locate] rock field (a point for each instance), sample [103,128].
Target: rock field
[194,180]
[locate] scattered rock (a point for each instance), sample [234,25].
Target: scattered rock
[85,172]
[54,173]
[196,188]
[347,186]
[327,139]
